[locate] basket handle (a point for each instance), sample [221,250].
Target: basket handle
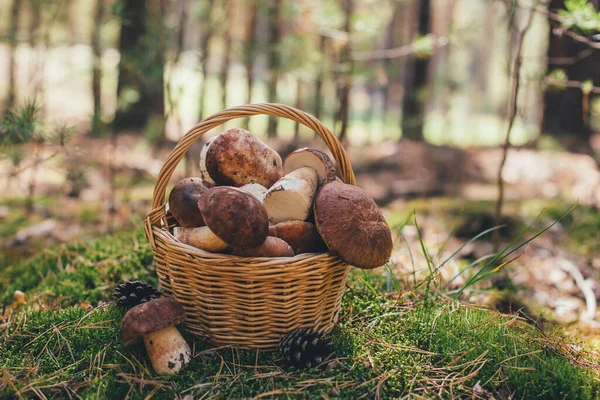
[276,110]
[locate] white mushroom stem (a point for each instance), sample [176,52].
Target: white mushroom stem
[255,189]
[204,173]
[202,238]
[168,350]
[291,197]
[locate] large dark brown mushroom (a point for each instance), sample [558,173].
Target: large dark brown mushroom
[155,321]
[235,216]
[183,201]
[352,225]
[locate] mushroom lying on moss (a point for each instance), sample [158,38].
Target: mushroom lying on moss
[155,321]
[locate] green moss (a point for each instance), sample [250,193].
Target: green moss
[383,346]
[81,271]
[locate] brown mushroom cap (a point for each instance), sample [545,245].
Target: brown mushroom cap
[236,157]
[183,202]
[235,216]
[352,225]
[150,317]
[313,158]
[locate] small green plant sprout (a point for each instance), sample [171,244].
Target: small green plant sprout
[28,142]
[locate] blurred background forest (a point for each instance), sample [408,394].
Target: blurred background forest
[440,104]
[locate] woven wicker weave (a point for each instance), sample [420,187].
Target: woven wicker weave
[246,302]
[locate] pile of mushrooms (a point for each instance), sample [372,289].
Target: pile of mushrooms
[249,203]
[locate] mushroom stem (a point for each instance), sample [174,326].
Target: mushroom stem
[168,350]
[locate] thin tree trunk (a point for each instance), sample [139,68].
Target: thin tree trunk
[483,58]
[204,55]
[249,54]
[34,56]
[273,60]
[97,68]
[15,11]
[155,90]
[389,66]
[174,102]
[134,25]
[224,75]
[319,80]
[346,86]
[438,73]
[298,105]
[413,112]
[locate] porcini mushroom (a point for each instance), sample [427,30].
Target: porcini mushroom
[255,189]
[291,197]
[155,321]
[271,247]
[183,201]
[352,225]
[235,216]
[236,157]
[300,235]
[313,158]
[202,238]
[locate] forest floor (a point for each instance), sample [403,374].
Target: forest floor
[417,328]
[65,342]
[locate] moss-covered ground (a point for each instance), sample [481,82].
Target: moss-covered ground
[388,345]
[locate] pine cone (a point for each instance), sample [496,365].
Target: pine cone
[132,293]
[305,348]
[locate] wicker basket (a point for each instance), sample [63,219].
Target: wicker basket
[246,302]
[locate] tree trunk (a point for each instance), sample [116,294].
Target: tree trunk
[319,80]
[15,11]
[35,59]
[155,86]
[565,113]
[142,47]
[273,60]
[483,58]
[249,54]
[346,84]
[224,75]
[415,80]
[438,73]
[389,66]
[133,29]
[298,105]
[204,55]
[97,68]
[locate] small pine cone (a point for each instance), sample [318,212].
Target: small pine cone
[132,293]
[305,348]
